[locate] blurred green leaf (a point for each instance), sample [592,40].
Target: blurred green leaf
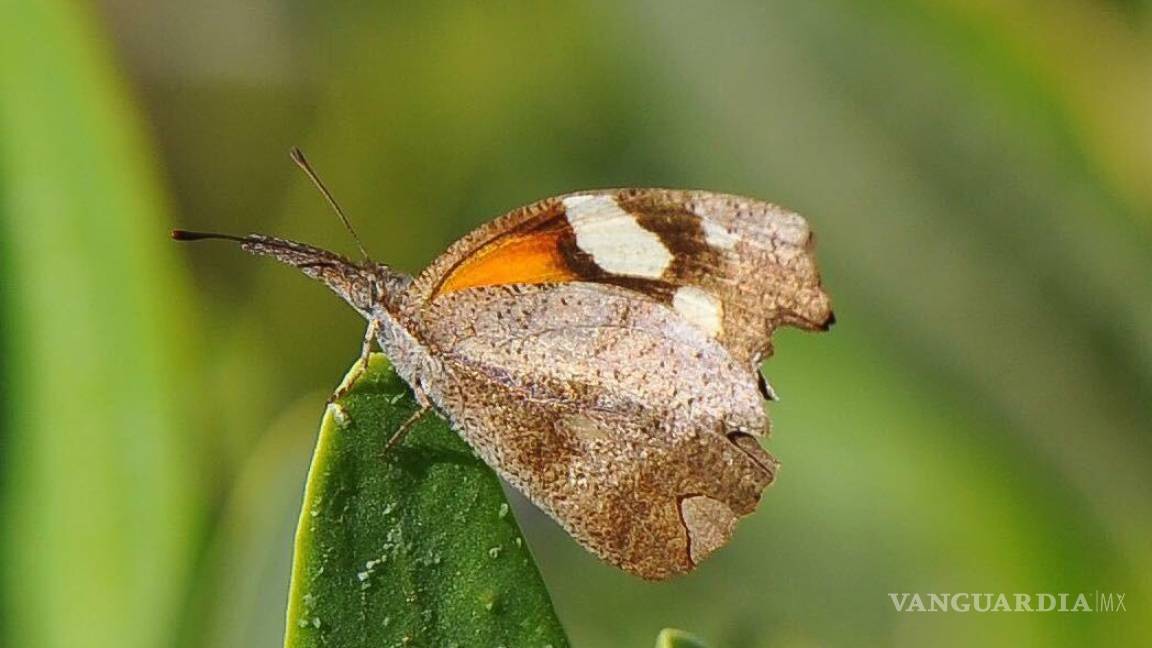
[673,638]
[98,496]
[248,563]
[415,545]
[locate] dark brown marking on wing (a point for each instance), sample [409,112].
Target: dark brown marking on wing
[684,524]
[754,451]
[828,322]
[583,266]
[765,391]
[681,231]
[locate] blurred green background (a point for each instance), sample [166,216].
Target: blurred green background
[978,173]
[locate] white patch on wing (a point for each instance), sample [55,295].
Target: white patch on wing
[717,235]
[613,238]
[700,307]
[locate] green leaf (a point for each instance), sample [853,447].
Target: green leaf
[413,546]
[673,638]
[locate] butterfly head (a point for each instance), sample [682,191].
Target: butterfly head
[363,285]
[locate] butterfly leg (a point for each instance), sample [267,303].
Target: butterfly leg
[361,365]
[407,425]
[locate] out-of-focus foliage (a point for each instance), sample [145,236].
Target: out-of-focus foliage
[976,173]
[413,544]
[99,502]
[672,638]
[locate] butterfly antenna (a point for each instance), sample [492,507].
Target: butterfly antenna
[302,162]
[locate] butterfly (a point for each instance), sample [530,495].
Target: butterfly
[601,351]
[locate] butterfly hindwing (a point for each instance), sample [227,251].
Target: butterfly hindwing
[628,425]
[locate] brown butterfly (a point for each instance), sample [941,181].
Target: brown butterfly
[601,351]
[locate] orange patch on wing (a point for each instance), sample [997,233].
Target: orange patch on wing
[530,258]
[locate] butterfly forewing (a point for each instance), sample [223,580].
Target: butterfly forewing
[734,267]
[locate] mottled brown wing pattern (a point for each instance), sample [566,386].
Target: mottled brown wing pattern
[735,267]
[754,257]
[625,423]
